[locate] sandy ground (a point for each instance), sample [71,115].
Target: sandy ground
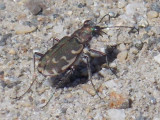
[29,26]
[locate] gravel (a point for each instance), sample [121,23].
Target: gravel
[131,94]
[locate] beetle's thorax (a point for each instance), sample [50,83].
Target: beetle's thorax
[84,34]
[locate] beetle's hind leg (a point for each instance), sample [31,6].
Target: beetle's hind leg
[33,77]
[62,81]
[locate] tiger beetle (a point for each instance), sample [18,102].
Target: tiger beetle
[64,56]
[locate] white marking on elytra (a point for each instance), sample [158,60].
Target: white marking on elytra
[76,52]
[69,63]
[63,58]
[54,60]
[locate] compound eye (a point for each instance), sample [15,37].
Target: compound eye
[96,31]
[97,28]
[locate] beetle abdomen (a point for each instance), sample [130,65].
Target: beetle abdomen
[60,57]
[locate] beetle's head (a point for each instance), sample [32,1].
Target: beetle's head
[95,30]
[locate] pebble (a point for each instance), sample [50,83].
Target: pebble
[12,52]
[155,7]
[21,29]
[121,3]
[122,47]
[26,104]
[111,84]
[157,58]
[89,89]
[113,14]
[117,100]
[133,50]
[96,14]
[42,90]
[156,118]
[34,7]
[143,23]
[48,26]
[153,100]
[158,47]
[2,6]
[113,65]
[122,56]
[81,5]
[2,77]
[127,103]
[138,44]
[101,88]
[55,16]
[4,39]
[152,14]
[116,114]
[156,30]
[105,72]
[43,101]
[69,12]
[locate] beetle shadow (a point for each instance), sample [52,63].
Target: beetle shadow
[80,73]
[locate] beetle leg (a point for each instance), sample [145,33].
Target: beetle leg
[90,74]
[65,78]
[34,58]
[111,69]
[96,52]
[34,76]
[62,82]
[55,39]
[93,53]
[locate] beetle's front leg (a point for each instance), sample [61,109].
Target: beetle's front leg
[93,53]
[90,73]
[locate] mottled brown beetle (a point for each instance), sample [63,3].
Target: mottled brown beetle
[65,55]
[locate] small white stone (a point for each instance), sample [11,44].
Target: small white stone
[156,118]
[134,50]
[157,58]
[69,12]
[115,114]
[143,23]
[21,29]
[122,47]
[152,14]
[111,84]
[122,56]
[89,89]
[12,52]
[121,3]
[113,65]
